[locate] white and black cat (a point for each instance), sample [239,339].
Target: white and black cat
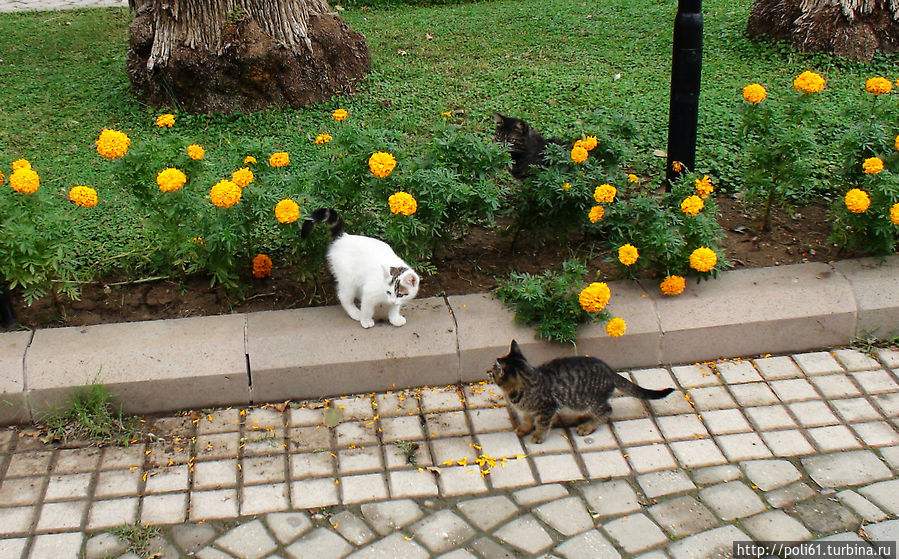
[366,270]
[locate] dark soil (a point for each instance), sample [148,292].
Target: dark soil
[800,236]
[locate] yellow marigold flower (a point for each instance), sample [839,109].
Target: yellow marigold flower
[165,121]
[198,241]
[677,166]
[24,181]
[692,205]
[339,114]
[249,160]
[20,164]
[287,211]
[242,177]
[754,93]
[872,165]
[170,180]
[673,285]
[578,154]
[279,159]
[402,203]
[196,152]
[225,194]
[589,143]
[878,86]
[628,254]
[809,82]
[446,114]
[594,297]
[112,144]
[616,327]
[381,164]
[605,193]
[896,143]
[596,213]
[894,214]
[262,266]
[857,201]
[84,196]
[323,139]
[566,187]
[633,178]
[2,177]
[703,259]
[704,187]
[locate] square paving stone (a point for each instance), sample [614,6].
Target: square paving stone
[854,360]
[391,515]
[314,464]
[835,437]
[539,494]
[17,520]
[673,404]
[453,450]
[823,516]
[695,376]
[58,546]
[714,543]
[771,417]
[637,431]
[611,498]
[168,508]
[513,473]
[12,547]
[448,424]
[482,395]
[397,458]
[488,512]
[743,446]
[557,467]
[218,446]
[261,499]
[655,378]
[711,398]
[635,533]
[889,356]
[876,433]
[77,460]
[465,480]
[785,496]
[697,453]
[61,516]
[794,390]
[312,493]
[601,439]
[556,442]
[218,474]
[721,422]
[861,506]
[500,445]
[817,363]
[359,460]
[219,421]
[111,513]
[776,525]
[359,433]
[352,528]
[28,464]
[732,500]
[412,483]
[395,545]
[885,494]
[397,404]
[21,491]
[407,428]
[165,480]
[774,368]
[72,486]
[487,420]
[440,399]
[288,526]
[265,417]
[526,534]
[650,458]
[365,487]
[716,474]
[358,407]
[115,458]
[788,443]
[627,407]
[737,372]
[217,503]
[658,484]
[753,394]
[587,545]
[883,531]
[771,474]
[567,516]
[888,404]
[836,386]
[876,382]
[813,414]
[605,464]
[317,544]
[682,516]
[681,427]
[442,531]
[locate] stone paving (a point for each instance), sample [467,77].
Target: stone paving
[34,5]
[776,448]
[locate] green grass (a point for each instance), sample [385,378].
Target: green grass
[552,62]
[90,416]
[137,537]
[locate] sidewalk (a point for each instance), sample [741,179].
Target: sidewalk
[776,448]
[33,5]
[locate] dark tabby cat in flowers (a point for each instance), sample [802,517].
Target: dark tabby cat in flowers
[526,144]
[582,385]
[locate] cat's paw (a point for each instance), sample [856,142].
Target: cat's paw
[523,430]
[367,322]
[585,429]
[538,438]
[397,320]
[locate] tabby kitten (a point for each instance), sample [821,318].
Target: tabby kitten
[366,270]
[527,145]
[583,385]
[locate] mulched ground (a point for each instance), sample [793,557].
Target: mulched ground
[799,236]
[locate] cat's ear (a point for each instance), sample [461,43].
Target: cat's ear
[498,118]
[395,271]
[388,275]
[521,126]
[514,349]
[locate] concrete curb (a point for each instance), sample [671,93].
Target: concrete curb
[167,365]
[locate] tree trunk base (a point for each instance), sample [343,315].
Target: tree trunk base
[253,72]
[823,26]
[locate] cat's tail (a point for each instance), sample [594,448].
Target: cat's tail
[632,389]
[324,215]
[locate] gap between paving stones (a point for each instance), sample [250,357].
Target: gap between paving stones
[194,363]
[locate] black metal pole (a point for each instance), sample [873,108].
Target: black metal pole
[7,315]
[686,70]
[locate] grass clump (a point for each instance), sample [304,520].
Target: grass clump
[137,536]
[91,416]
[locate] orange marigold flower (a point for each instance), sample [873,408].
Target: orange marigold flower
[402,203]
[165,121]
[673,285]
[677,166]
[323,139]
[249,160]
[616,327]
[170,180]
[2,178]
[754,93]
[196,152]
[242,177]
[704,186]
[872,165]
[339,114]
[809,82]
[20,164]
[578,154]
[279,159]
[112,144]
[692,205]
[225,194]
[878,86]
[632,178]
[262,266]
[857,201]
[381,164]
[594,297]
[24,181]
[628,254]
[605,193]
[596,213]
[566,187]
[83,196]
[287,211]
[894,214]
[703,259]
